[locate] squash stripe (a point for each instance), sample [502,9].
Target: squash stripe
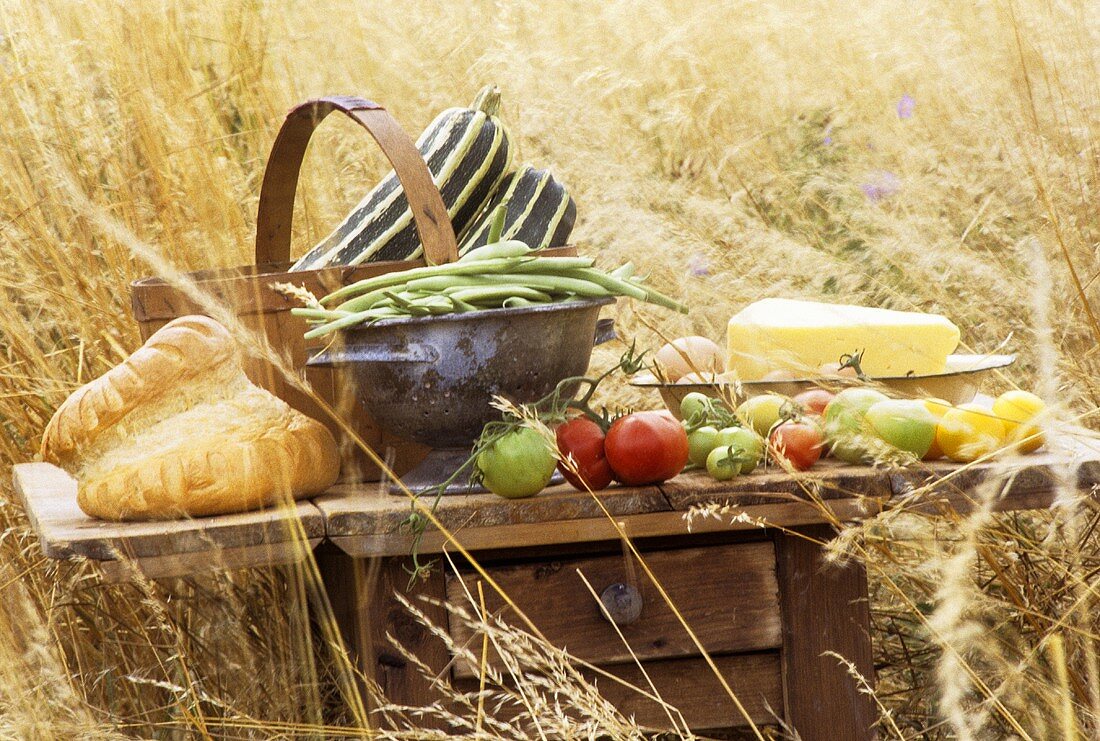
[552,226]
[487,152]
[540,211]
[356,247]
[388,245]
[528,205]
[437,137]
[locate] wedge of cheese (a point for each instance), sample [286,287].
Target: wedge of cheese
[801,336]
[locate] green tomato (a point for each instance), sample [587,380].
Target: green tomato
[845,427]
[906,424]
[694,407]
[748,446]
[517,465]
[762,412]
[848,408]
[724,463]
[700,443]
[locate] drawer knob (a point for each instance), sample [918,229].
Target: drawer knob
[622,603]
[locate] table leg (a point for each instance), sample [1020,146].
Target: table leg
[362,594]
[824,608]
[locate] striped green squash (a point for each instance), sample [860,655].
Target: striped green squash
[468,152]
[539,212]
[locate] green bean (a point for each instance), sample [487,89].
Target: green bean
[443,282]
[432,300]
[549,283]
[346,321]
[520,273]
[377,297]
[498,294]
[439,309]
[496,226]
[609,282]
[508,248]
[318,314]
[500,274]
[628,288]
[365,301]
[656,297]
[624,271]
[390,280]
[404,300]
[550,265]
[461,306]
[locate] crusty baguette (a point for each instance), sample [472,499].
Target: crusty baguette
[178,430]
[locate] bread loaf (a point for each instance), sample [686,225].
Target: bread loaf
[178,430]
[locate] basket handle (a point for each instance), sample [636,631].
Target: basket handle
[276,209]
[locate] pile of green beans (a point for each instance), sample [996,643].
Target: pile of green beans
[500,275]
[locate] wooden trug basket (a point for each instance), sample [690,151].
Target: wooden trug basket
[248,291]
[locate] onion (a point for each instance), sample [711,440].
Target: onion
[690,355]
[834,369]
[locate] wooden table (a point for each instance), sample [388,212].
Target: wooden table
[751,584]
[160,549]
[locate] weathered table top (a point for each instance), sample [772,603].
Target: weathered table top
[161,548]
[364,521]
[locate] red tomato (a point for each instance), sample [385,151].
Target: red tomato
[583,439]
[814,401]
[646,448]
[799,443]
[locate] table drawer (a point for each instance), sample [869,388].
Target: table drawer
[690,686]
[727,593]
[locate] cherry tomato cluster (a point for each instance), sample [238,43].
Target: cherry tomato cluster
[862,424]
[730,443]
[856,425]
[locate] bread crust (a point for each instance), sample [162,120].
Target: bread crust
[220,477]
[176,353]
[269,454]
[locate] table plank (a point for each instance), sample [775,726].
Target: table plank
[1071,460]
[170,547]
[353,510]
[828,479]
[365,521]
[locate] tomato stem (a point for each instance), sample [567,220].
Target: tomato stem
[853,361]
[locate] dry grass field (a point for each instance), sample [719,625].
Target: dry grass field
[938,155]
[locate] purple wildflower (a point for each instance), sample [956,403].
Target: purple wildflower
[880,185]
[699,265]
[828,140]
[906,106]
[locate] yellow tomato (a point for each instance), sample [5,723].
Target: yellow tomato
[1016,409]
[969,432]
[938,407]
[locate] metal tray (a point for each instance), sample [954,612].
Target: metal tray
[958,384]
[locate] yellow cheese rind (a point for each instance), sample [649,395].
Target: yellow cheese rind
[801,336]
